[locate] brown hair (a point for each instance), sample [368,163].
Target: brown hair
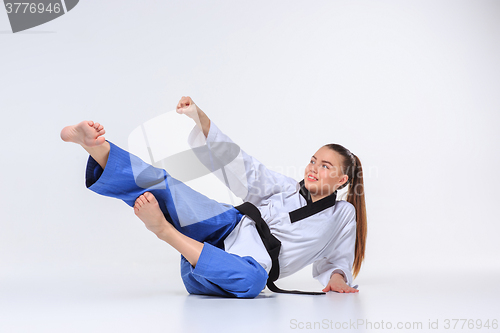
[351,167]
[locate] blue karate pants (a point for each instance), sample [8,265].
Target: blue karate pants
[217,272]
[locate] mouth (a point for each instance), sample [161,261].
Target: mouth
[312,178]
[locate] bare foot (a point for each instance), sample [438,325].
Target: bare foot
[86,133]
[147,209]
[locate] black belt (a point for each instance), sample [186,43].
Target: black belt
[273,246]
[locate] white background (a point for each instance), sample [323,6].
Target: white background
[411,87]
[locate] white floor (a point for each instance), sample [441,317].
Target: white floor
[142,299]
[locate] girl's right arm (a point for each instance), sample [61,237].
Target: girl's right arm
[244,175]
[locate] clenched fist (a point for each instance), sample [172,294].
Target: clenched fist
[188,107]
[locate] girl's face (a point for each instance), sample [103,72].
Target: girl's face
[323,174]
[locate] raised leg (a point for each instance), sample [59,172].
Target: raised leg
[127,177]
[198,225]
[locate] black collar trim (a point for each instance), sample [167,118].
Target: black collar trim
[312,207]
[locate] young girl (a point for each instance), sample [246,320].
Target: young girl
[231,251]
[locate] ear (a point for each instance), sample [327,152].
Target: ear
[343,180]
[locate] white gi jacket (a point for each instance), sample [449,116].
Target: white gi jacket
[326,238]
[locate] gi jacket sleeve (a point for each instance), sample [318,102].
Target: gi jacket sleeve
[339,256]
[244,175]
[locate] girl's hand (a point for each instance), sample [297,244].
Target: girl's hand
[186,106]
[338,284]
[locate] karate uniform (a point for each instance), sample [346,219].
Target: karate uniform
[322,233]
[234,261]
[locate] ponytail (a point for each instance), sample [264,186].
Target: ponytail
[356,196]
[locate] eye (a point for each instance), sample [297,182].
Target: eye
[312,162]
[325,166]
